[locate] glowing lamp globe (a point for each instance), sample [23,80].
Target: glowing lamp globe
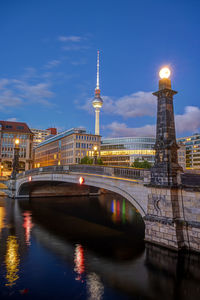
[164,73]
[17,142]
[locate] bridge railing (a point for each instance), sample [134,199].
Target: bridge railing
[123,172]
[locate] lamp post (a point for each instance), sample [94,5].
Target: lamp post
[15,160]
[1,170]
[95,155]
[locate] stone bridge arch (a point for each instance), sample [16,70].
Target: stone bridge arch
[133,191]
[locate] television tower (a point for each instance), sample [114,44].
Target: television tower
[97,102]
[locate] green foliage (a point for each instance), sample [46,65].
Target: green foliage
[86,160]
[141,164]
[89,161]
[99,161]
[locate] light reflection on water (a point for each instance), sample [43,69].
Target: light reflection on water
[12,261]
[79,262]
[87,248]
[95,287]
[27,226]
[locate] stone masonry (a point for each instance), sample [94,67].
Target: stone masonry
[173,213]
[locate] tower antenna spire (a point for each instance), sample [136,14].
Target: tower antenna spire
[97,86]
[97,101]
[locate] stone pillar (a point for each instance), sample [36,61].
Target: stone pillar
[163,219]
[165,171]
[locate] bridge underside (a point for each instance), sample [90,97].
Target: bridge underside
[55,188]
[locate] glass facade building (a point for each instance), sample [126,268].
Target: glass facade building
[123,151]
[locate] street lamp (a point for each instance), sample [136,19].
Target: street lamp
[15,160]
[1,170]
[95,155]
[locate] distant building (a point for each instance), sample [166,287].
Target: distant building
[67,147]
[9,131]
[123,151]
[182,155]
[192,144]
[41,134]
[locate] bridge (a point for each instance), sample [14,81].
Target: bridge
[49,181]
[171,215]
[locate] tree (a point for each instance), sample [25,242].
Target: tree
[99,161]
[86,160]
[141,164]
[89,161]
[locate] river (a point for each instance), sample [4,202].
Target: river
[87,248]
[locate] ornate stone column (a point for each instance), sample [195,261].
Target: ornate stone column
[166,169]
[163,222]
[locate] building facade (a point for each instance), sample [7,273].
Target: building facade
[192,144]
[123,151]
[9,132]
[67,147]
[39,135]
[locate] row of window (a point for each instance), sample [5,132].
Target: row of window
[84,145]
[86,138]
[12,136]
[128,140]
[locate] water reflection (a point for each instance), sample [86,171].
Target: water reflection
[79,262]
[2,217]
[101,259]
[95,287]
[12,261]
[27,226]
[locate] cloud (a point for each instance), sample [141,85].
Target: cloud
[52,64]
[3,83]
[15,92]
[189,121]
[135,105]
[12,119]
[121,129]
[75,48]
[9,99]
[71,38]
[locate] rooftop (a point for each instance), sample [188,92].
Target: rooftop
[15,127]
[62,135]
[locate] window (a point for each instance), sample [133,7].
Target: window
[19,127]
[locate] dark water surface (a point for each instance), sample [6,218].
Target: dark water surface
[87,248]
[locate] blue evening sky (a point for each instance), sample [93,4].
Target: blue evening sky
[48,62]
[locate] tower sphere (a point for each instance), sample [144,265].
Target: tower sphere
[164,73]
[97,102]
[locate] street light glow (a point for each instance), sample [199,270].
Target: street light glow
[17,142]
[164,73]
[95,148]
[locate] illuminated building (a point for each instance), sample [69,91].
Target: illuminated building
[67,147]
[9,132]
[42,134]
[192,144]
[123,151]
[97,102]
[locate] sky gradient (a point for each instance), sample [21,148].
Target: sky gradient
[48,63]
